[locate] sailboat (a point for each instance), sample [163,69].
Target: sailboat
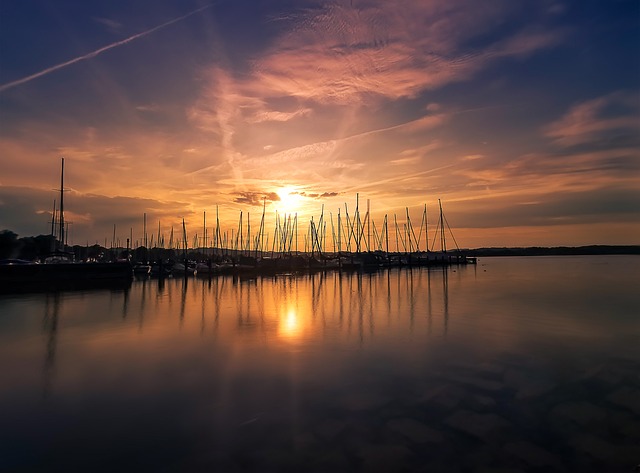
[443,256]
[59,270]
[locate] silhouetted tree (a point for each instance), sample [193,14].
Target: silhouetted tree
[34,248]
[8,244]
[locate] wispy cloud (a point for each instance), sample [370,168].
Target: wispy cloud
[112,25]
[151,107]
[591,120]
[276,116]
[97,52]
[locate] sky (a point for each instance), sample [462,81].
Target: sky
[521,116]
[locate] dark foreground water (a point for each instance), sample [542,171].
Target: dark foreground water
[516,365]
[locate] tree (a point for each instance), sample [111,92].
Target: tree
[8,244]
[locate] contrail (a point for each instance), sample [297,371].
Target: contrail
[93,54]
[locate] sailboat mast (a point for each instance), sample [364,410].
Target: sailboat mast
[426,229]
[368,226]
[357,224]
[184,238]
[386,232]
[339,232]
[218,239]
[62,207]
[53,219]
[443,243]
[261,231]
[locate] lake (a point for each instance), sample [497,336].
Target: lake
[512,365]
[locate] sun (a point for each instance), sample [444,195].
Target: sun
[290,199]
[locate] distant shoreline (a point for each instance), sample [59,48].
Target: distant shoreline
[39,247]
[556,251]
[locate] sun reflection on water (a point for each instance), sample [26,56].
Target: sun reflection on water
[290,326]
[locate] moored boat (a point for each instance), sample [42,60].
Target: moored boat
[141,269]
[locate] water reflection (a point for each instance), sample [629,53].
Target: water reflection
[183,299]
[289,326]
[50,326]
[306,306]
[445,298]
[125,303]
[404,369]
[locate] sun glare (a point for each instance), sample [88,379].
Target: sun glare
[290,199]
[290,325]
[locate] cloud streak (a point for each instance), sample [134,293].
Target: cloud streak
[97,52]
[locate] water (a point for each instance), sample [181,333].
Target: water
[516,364]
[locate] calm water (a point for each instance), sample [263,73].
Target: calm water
[518,364]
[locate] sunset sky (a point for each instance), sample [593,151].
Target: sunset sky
[523,117]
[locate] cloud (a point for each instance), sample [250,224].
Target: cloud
[151,107]
[596,119]
[312,195]
[255,198]
[301,154]
[433,107]
[415,156]
[406,161]
[348,55]
[112,25]
[275,116]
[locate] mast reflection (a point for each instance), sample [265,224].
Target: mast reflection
[50,326]
[288,306]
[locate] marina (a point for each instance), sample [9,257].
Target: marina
[365,248]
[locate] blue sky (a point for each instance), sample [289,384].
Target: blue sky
[523,117]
